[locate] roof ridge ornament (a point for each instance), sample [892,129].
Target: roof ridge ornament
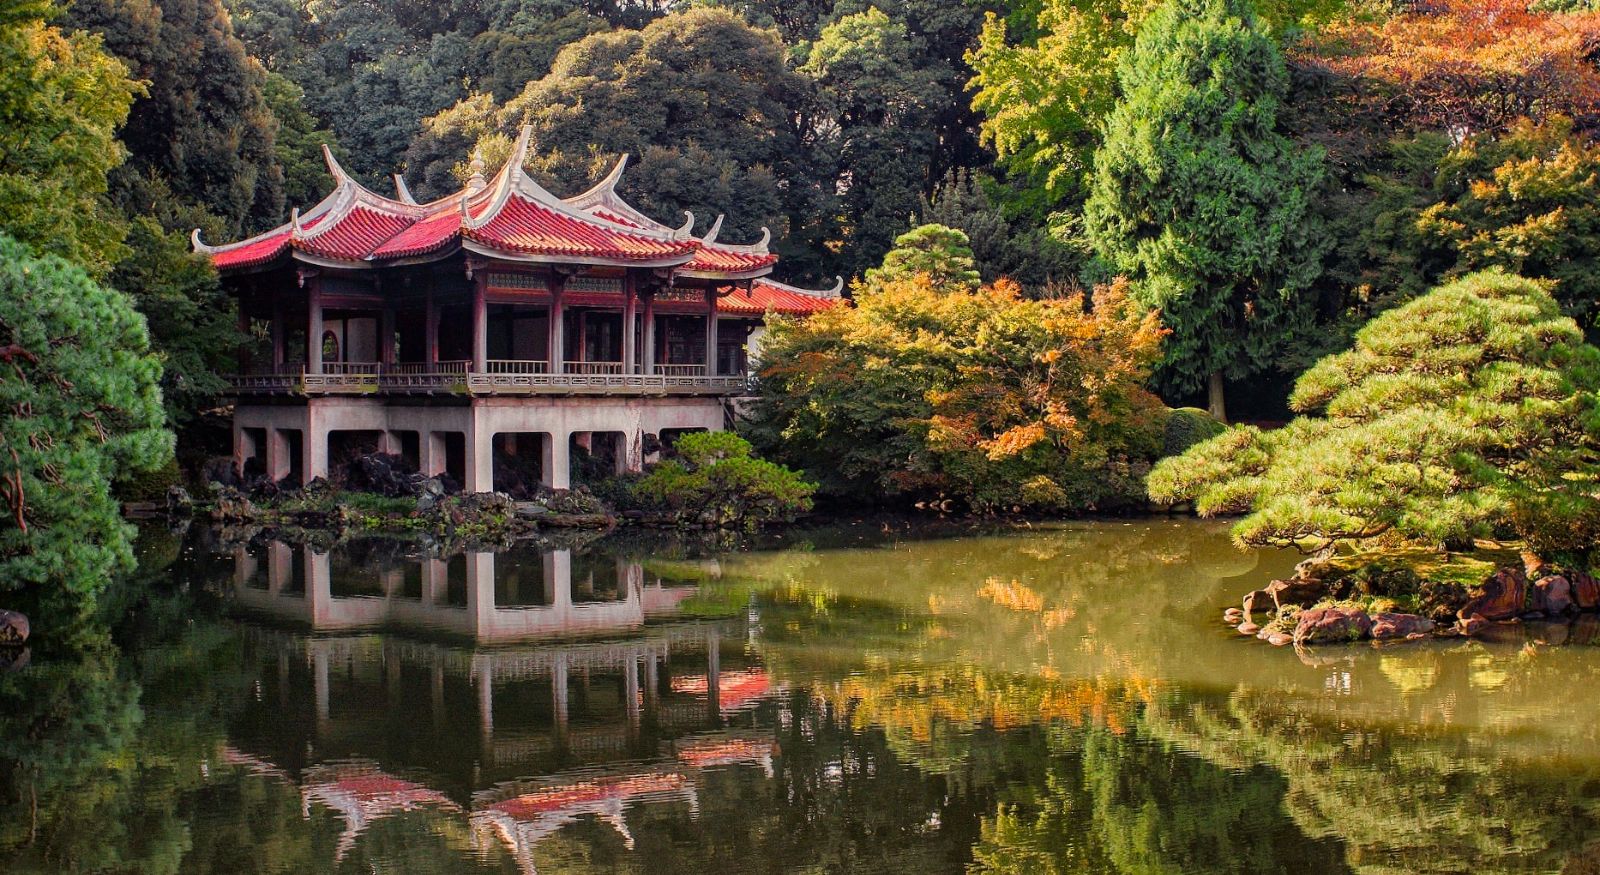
[194,238]
[294,221]
[711,235]
[402,191]
[476,182]
[838,287]
[686,228]
[757,248]
[338,173]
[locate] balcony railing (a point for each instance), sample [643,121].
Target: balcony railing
[499,377]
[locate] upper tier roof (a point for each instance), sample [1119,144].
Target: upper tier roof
[714,260]
[510,218]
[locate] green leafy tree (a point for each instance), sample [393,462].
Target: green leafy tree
[1046,80]
[714,473]
[1001,247]
[191,321]
[203,127]
[82,401]
[1201,201]
[1527,201]
[879,104]
[62,98]
[942,255]
[703,101]
[1470,410]
[299,142]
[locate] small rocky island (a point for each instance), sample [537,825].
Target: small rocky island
[1340,600]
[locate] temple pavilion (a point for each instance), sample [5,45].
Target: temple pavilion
[491,331]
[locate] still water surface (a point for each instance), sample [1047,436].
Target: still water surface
[865,699]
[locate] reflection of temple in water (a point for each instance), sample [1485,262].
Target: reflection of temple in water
[609,699]
[484,596]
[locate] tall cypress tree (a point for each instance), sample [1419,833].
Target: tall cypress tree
[1199,199]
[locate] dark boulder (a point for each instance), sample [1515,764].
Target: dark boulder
[230,505]
[1585,590]
[221,470]
[178,501]
[1471,625]
[1502,597]
[1552,594]
[1299,591]
[13,628]
[384,474]
[1332,625]
[1386,625]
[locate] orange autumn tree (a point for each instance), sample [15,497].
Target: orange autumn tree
[922,391]
[1467,65]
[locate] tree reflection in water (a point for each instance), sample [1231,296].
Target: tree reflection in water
[1047,702]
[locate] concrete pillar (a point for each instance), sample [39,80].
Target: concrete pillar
[389,442]
[480,327]
[558,575]
[430,453]
[556,470]
[278,463]
[244,446]
[711,332]
[630,316]
[652,683]
[649,351]
[314,449]
[430,330]
[480,458]
[314,327]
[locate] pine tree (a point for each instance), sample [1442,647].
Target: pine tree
[81,401]
[1472,409]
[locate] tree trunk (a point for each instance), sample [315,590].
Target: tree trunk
[1217,406]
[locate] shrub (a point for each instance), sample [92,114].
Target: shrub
[715,475]
[1187,426]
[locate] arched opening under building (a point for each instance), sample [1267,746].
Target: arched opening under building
[519,460]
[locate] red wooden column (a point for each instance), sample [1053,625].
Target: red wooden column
[711,332]
[277,330]
[558,322]
[648,366]
[313,329]
[480,325]
[630,315]
[430,328]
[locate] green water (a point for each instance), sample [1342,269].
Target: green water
[870,698]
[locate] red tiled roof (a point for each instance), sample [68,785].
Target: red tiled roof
[523,226]
[429,235]
[354,235]
[767,297]
[716,259]
[253,253]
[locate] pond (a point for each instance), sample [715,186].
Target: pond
[864,698]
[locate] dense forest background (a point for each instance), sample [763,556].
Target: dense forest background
[1379,146]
